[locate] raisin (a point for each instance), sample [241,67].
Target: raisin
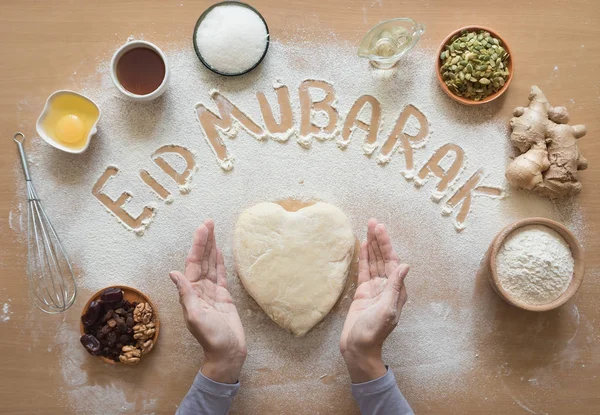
[122,328]
[109,314]
[111,338]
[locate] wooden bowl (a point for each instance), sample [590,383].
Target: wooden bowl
[438,66]
[576,251]
[131,295]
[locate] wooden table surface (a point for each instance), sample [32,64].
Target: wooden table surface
[51,45]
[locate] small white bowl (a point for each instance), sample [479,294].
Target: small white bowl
[50,140]
[132,44]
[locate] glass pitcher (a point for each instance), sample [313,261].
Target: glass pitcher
[388,41]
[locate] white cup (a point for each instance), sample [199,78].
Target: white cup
[133,44]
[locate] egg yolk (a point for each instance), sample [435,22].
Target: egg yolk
[70,129]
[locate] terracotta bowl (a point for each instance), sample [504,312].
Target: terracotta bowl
[465,101]
[576,251]
[131,295]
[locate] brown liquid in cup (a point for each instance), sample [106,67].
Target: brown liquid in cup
[141,70]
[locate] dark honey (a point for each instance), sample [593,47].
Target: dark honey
[141,70]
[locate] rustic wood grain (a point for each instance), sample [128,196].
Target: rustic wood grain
[50,45]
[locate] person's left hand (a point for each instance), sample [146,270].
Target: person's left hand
[208,308]
[376,307]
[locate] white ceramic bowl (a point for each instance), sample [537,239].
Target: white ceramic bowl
[47,137]
[132,44]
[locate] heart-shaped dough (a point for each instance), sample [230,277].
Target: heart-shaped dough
[294,264]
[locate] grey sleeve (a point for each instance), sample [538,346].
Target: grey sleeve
[381,397]
[207,397]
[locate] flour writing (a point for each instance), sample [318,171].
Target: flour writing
[410,133]
[318,119]
[141,222]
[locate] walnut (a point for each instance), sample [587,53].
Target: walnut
[130,355]
[142,313]
[144,331]
[145,346]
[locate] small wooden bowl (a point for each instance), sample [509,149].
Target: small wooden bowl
[131,295]
[576,251]
[438,66]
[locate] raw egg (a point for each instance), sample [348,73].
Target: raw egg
[68,121]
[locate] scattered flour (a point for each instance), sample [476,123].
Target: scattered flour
[435,344]
[535,264]
[5,316]
[15,219]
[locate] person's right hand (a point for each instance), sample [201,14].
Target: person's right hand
[376,307]
[208,308]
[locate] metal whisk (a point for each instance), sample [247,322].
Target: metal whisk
[51,279]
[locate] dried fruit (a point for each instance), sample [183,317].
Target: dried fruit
[93,313]
[474,65]
[91,344]
[109,325]
[112,295]
[111,338]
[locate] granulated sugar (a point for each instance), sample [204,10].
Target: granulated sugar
[433,347]
[231,38]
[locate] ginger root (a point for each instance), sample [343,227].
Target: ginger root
[550,158]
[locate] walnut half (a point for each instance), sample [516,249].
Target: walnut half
[130,355]
[145,346]
[144,331]
[142,313]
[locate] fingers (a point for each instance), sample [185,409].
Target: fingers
[184,287]
[372,261]
[371,230]
[221,274]
[193,263]
[385,244]
[212,259]
[395,291]
[210,242]
[363,264]
[378,259]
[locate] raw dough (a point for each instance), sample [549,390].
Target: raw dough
[294,264]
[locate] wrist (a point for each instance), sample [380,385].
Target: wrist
[223,370]
[364,367]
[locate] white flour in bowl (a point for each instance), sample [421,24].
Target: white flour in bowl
[535,264]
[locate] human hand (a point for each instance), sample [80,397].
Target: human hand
[376,307]
[208,308]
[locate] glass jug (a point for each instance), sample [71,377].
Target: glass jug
[388,41]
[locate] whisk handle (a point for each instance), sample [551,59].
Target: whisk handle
[19,138]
